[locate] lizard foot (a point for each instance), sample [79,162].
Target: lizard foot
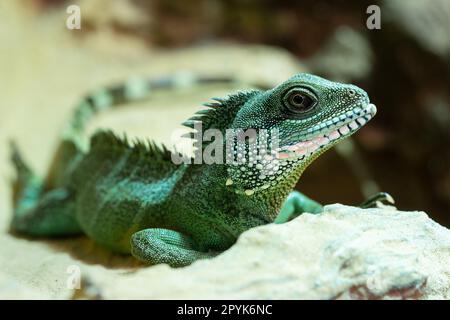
[156,246]
[378,200]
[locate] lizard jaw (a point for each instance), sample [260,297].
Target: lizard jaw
[306,148]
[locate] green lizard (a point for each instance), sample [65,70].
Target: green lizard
[132,198]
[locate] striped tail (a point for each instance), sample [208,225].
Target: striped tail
[74,144]
[131,91]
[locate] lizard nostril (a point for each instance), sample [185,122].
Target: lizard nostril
[351,93]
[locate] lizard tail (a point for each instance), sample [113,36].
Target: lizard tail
[135,89]
[74,143]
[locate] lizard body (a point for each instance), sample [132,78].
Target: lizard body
[132,198]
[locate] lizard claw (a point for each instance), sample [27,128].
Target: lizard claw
[377,200]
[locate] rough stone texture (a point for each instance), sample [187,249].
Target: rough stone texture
[345,253]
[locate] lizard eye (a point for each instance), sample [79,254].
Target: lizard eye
[299,101]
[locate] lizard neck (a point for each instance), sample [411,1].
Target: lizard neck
[276,195]
[264,203]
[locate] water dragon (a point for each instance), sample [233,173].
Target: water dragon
[132,198]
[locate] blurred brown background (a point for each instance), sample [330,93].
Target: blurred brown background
[404,66]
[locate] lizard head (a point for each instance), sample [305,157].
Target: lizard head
[304,116]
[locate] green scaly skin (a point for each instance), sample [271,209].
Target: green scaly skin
[132,198]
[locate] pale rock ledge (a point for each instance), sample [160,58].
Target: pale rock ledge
[344,253]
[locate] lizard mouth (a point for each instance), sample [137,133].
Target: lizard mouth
[337,129]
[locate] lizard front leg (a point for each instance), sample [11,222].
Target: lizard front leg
[165,246]
[295,204]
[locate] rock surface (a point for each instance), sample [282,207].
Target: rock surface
[344,253]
